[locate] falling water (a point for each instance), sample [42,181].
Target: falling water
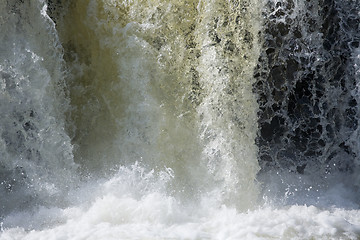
[138,119]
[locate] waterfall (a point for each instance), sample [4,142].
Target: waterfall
[138,119]
[167,85]
[36,153]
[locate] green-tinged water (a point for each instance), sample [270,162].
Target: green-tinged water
[166,84]
[135,119]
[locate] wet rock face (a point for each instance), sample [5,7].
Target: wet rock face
[306,85]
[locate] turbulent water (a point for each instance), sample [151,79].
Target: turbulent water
[139,119]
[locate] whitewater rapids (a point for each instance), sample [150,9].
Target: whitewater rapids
[179,120]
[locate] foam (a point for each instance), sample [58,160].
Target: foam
[161,118]
[116,211]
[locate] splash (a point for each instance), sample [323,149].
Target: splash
[149,119]
[36,153]
[172,85]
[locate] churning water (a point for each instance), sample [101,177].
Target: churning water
[167,119]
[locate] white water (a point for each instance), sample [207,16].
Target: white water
[145,129]
[133,207]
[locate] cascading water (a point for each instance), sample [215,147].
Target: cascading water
[36,153]
[307,87]
[179,119]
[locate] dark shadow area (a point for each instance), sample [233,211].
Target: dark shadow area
[306,86]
